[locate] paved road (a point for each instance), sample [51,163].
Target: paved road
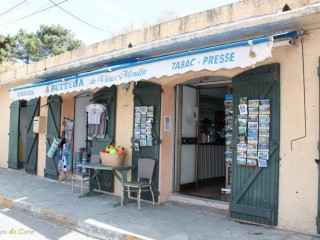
[15,225]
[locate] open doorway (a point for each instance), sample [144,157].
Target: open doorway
[200,166]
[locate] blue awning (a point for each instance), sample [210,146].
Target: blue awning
[228,56]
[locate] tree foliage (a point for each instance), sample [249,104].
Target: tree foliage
[48,41]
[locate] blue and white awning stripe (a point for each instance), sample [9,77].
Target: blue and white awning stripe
[229,56]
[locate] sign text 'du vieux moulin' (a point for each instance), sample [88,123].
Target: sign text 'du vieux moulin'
[229,58]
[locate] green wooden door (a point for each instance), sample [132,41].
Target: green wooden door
[53,130]
[149,94]
[108,97]
[254,190]
[31,151]
[13,161]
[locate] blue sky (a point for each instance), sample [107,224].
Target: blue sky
[106,17]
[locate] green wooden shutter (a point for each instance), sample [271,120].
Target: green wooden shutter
[107,96]
[53,130]
[254,190]
[149,94]
[13,161]
[31,151]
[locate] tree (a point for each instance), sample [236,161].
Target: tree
[48,41]
[6,51]
[56,40]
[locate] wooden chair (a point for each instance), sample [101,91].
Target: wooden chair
[143,184]
[84,177]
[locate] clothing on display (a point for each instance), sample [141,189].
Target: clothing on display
[64,153]
[97,116]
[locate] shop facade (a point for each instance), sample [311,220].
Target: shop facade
[186,80]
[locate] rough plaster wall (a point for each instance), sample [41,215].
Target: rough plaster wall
[298,171]
[4,130]
[42,140]
[124,122]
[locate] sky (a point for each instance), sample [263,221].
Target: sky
[94,20]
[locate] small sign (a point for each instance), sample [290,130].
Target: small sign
[167,124]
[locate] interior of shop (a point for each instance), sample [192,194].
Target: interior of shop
[211,173]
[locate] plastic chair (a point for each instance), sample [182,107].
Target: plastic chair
[143,184]
[95,158]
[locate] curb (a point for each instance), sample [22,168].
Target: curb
[103,231]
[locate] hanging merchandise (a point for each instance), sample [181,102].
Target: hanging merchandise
[53,148]
[143,126]
[228,105]
[64,156]
[97,117]
[253,132]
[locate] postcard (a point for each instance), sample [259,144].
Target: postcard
[252,147]
[264,125]
[241,161]
[150,108]
[143,137]
[143,109]
[252,154]
[137,115]
[228,104]
[264,110]
[264,140]
[143,143]
[262,163]
[243,100]
[263,155]
[253,133]
[137,120]
[149,136]
[228,153]
[264,102]
[263,147]
[264,118]
[243,109]
[241,154]
[228,144]
[264,133]
[253,110]
[242,131]
[242,122]
[241,147]
[149,143]
[228,161]
[241,139]
[136,136]
[252,163]
[137,109]
[253,125]
[149,114]
[143,125]
[253,118]
[253,103]
[143,114]
[143,131]
[252,140]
